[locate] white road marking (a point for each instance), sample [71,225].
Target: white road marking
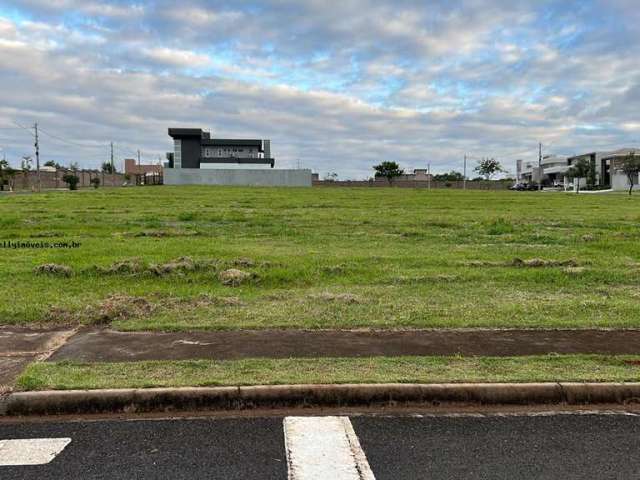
[34,451]
[322,448]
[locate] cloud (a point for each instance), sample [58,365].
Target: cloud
[337,86]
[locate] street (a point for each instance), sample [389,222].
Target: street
[549,446]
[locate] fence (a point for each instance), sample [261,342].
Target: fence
[51,180]
[471,185]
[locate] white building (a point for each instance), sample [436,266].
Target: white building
[553,169]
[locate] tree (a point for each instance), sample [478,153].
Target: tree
[488,167]
[452,176]
[74,167]
[108,168]
[331,177]
[578,170]
[51,163]
[6,174]
[388,170]
[95,181]
[72,180]
[631,168]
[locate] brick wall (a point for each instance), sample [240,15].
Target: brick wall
[52,180]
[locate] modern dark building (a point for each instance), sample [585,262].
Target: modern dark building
[198,159]
[194,148]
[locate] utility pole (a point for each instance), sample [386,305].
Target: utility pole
[464,175]
[138,173]
[429,176]
[138,159]
[113,170]
[37,145]
[540,166]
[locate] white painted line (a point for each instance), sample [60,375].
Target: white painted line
[324,448]
[34,451]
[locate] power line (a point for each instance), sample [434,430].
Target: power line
[70,142]
[23,127]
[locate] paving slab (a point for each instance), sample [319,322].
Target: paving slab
[10,369]
[20,346]
[15,339]
[104,345]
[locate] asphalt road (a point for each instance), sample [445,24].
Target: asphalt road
[399,447]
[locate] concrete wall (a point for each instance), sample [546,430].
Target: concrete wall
[263,178]
[620,182]
[477,185]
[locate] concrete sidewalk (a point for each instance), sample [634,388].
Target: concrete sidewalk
[21,346]
[101,345]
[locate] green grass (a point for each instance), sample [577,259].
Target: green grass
[577,368]
[404,258]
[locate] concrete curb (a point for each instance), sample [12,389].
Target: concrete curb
[239,398]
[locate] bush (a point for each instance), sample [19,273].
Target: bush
[95,182]
[71,180]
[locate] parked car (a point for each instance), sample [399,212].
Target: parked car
[524,187]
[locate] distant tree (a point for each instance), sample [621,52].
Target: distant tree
[488,167]
[452,176]
[74,167]
[108,168]
[6,174]
[631,168]
[72,180]
[477,179]
[331,177]
[95,182]
[51,163]
[579,170]
[388,170]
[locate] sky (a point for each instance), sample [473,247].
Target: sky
[337,86]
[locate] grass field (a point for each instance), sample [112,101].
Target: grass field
[550,368]
[322,258]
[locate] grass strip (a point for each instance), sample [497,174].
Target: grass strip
[548,368]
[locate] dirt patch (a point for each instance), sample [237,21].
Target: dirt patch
[540,262]
[179,265]
[114,307]
[182,264]
[120,306]
[124,267]
[588,237]
[519,262]
[234,277]
[348,298]
[243,262]
[53,269]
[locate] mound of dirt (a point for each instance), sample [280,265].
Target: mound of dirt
[118,307]
[539,262]
[53,269]
[234,277]
[126,267]
[182,264]
[243,262]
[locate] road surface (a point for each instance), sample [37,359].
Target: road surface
[549,446]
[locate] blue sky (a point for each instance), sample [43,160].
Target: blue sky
[337,86]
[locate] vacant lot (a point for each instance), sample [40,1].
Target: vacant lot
[321,258]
